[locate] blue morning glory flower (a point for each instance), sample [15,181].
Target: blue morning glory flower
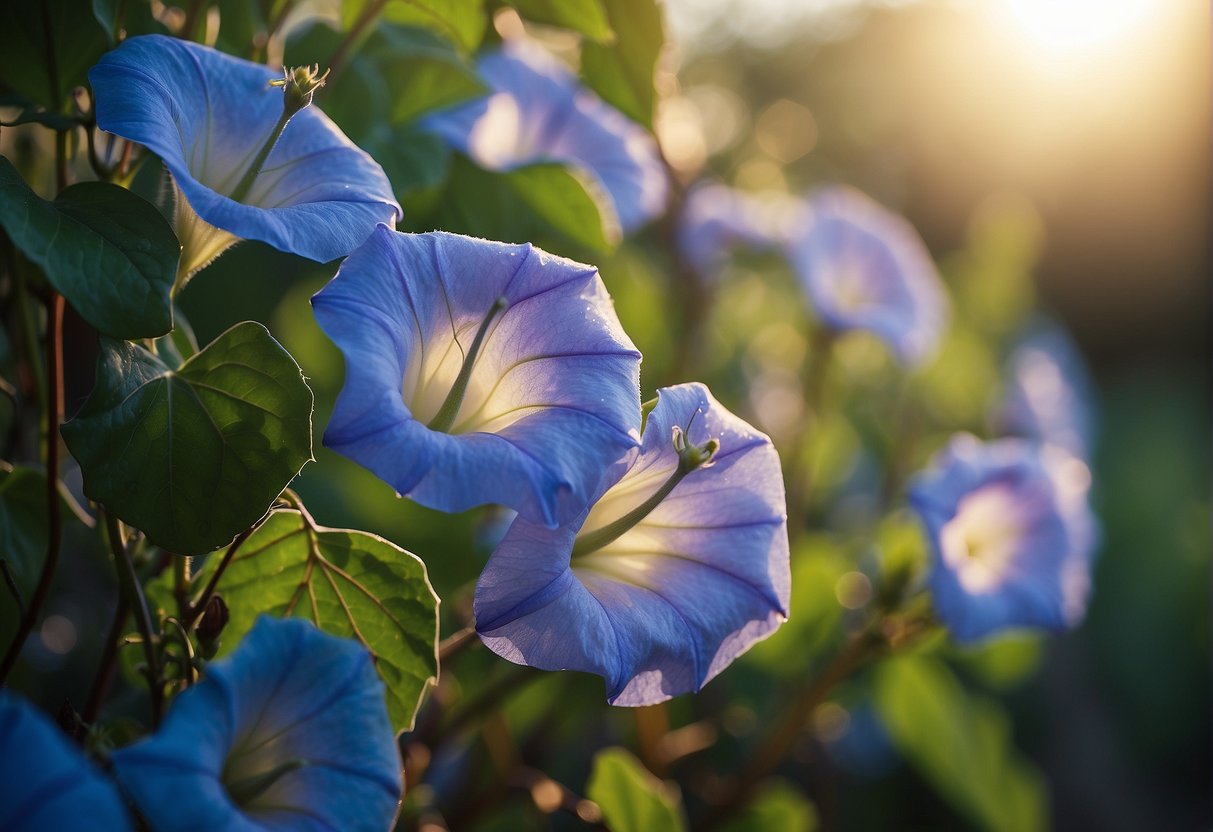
[866,268]
[47,781]
[289,732]
[677,568]
[538,112]
[479,372]
[208,115]
[1012,535]
[717,219]
[1048,392]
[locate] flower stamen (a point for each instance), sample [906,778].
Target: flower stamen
[445,417]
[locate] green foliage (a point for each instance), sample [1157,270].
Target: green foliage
[632,799]
[547,204]
[960,743]
[422,70]
[348,583]
[588,17]
[23,534]
[46,48]
[622,72]
[193,456]
[778,806]
[463,22]
[106,250]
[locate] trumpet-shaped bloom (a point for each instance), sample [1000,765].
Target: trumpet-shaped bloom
[479,372]
[538,112]
[289,732]
[1048,392]
[1012,535]
[866,268]
[207,115]
[655,599]
[716,219]
[47,781]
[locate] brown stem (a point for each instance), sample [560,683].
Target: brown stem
[192,16]
[193,612]
[54,415]
[455,644]
[105,669]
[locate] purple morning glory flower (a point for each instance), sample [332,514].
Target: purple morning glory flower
[289,732]
[538,112]
[866,268]
[1012,535]
[207,115]
[479,372]
[47,781]
[677,568]
[717,219]
[1048,392]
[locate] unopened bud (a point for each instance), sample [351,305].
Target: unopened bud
[214,618]
[299,84]
[691,457]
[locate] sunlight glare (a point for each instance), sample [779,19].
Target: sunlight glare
[1070,25]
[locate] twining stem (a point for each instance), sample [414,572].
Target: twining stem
[445,417]
[54,415]
[193,612]
[133,591]
[455,644]
[105,668]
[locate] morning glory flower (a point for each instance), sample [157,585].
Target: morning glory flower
[479,372]
[866,268]
[717,219]
[679,566]
[1048,392]
[538,112]
[249,158]
[289,732]
[1012,535]
[47,781]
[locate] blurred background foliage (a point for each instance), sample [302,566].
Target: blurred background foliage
[1047,161]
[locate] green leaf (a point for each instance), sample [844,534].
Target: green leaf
[622,72]
[348,583]
[462,22]
[411,159]
[778,806]
[422,71]
[535,203]
[45,64]
[193,456]
[960,743]
[136,18]
[631,799]
[108,251]
[585,16]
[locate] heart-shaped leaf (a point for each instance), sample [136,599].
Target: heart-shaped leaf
[348,583]
[106,250]
[196,455]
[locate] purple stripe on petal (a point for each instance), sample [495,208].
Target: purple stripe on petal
[682,592]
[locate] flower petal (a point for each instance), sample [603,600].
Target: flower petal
[207,114]
[288,693]
[716,219]
[47,780]
[553,396]
[667,605]
[539,112]
[1012,535]
[866,268]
